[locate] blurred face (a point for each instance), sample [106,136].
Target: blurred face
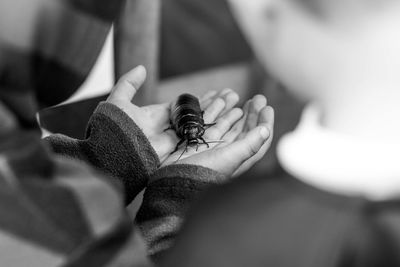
[315,56]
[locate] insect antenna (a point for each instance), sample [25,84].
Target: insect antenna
[182,153]
[211,142]
[216,141]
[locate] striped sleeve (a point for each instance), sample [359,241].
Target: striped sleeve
[67,217]
[171,192]
[114,145]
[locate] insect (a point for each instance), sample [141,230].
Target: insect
[188,123]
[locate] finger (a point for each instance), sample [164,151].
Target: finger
[161,112]
[242,150]
[237,129]
[206,99]
[128,84]
[258,103]
[213,110]
[223,124]
[231,99]
[266,119]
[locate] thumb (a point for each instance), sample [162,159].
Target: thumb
[128,84]
[243,149]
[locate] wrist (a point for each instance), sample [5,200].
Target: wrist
[173,189]
[188,171]
[117,146]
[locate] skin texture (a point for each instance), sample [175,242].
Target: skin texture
[246,137]
[247,134]
[318,55]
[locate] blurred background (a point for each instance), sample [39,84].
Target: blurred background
[195,46]
[187,46]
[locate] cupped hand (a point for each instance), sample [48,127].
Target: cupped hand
[246,137]
[154,119]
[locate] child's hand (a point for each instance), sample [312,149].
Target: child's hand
[154,119]
[246,138]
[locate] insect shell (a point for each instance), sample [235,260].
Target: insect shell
[187,121]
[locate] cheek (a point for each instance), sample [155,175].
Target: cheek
[252,19]
[299,54]
[267,30]
[295,49]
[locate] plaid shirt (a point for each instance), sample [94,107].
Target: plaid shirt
[53,210]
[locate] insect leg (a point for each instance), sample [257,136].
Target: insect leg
[187,143]
[204,142]
[177,146]
[169,128]
[206,126]
[211,142]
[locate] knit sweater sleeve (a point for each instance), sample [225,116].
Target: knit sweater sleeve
[115,145]
[170,193]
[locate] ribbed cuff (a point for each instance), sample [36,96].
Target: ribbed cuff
[118,146]
[132,132]
[193,172]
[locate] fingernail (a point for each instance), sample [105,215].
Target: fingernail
[140,68]
[264,132]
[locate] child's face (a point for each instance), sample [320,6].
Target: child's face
[307,53]
[284,40]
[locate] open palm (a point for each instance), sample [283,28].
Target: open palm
[154,119]
[246,136]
